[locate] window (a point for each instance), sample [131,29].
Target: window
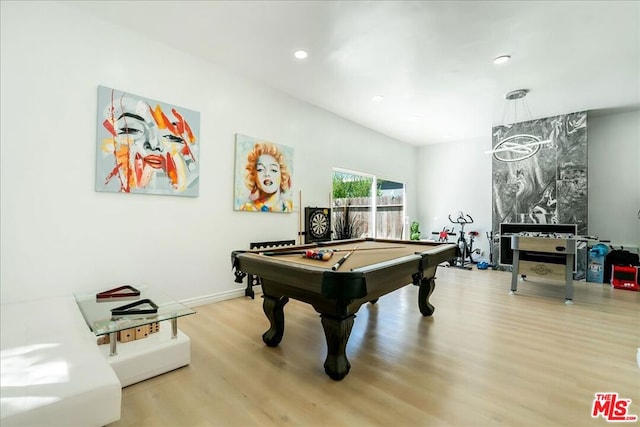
[364,206]
[390,210]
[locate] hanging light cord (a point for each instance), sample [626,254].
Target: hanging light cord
[512,98]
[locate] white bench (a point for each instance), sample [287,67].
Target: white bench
[53,373]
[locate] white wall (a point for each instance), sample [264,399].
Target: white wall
[614,176]
[458,177]
[59,235]
[452,178]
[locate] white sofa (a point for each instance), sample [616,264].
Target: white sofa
[53,372]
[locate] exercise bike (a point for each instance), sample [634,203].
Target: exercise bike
[483,265]
[464,249]
[490,238]
[443,236]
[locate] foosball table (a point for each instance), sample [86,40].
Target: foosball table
[549,256]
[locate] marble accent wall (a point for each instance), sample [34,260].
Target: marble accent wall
[540,176]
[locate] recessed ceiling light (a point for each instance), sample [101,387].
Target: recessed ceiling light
[377,98]
[501,59]
[300,54]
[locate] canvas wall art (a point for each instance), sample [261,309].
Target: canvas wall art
[546,183]
[146,146]
[548,186]
[263,176]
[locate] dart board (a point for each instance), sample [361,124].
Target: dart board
[318,224]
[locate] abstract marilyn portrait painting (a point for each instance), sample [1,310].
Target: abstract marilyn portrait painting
[146,146]
[263,180]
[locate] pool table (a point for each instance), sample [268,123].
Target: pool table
[376,267]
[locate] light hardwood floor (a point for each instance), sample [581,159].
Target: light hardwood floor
[485,358]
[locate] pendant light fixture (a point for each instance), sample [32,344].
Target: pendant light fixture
[522,145]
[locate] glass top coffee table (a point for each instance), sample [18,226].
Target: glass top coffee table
[97,312]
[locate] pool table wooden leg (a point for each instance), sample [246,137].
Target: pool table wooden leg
[337,333]
[274,309]
[426,289]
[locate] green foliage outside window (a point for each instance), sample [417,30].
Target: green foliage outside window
[346,186]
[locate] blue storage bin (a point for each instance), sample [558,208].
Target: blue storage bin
[595,264]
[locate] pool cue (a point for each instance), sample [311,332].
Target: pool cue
[342,260]
[298,252]
[365,249]
[300,230]
[308,253]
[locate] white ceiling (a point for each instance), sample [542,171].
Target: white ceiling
[431,60]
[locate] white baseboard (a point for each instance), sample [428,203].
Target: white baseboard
[222,296]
